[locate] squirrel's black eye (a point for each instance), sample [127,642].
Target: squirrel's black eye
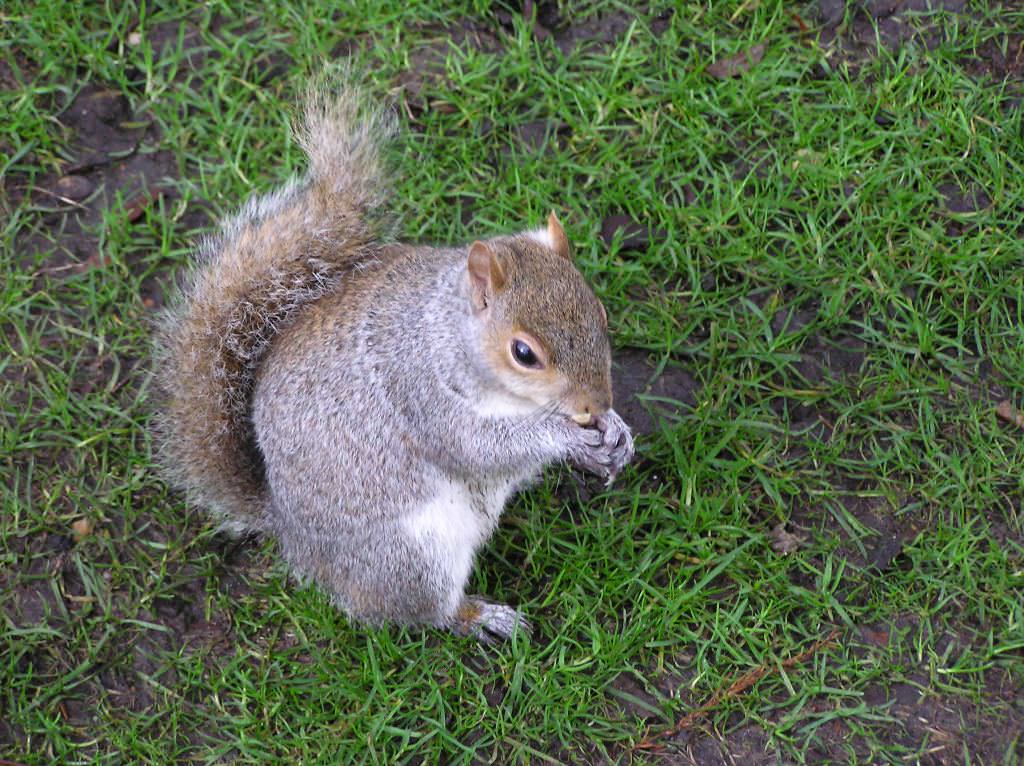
[524,354]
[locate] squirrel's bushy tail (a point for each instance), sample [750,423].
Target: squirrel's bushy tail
[282,251]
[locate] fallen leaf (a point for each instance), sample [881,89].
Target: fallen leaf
[737,64]
[876,636]
[81,529]
[784,542]
[1006,411]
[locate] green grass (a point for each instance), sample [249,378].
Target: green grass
[804,207]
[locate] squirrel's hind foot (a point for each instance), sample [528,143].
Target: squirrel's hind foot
[487,621]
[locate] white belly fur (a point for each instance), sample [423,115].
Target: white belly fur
[452,525]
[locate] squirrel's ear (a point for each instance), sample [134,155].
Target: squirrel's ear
[486,275]
[556,235]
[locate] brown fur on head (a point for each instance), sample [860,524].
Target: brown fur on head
[544,331]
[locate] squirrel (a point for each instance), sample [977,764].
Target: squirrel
[372,405]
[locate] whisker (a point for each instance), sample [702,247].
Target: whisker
[542,412]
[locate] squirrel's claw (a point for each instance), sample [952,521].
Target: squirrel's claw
[489,622]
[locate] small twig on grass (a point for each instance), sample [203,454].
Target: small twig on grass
[736,688]
[1006,411]
[66,201]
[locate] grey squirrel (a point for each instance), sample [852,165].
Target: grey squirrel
[373,405]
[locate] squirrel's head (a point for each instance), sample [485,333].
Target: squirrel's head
[544,332]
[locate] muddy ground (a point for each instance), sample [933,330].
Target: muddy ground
[117,152]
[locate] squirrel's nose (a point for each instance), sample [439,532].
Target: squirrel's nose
[590,407]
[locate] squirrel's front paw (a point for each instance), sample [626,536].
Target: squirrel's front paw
[587,451]
[617,441]
[605,447]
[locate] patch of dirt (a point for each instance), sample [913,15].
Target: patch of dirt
[943,728]
[888,530]
[855,30]
[946,725]
[600,30]
[631,695]
[853,25]
[115,157]
[958,200]
[30,594]
[12,76]
[531,136]
[825,359]
[745,745]
[132,670]
[427,62]
[635,377]
[998,59]
[904,715]
[606,29]
[537,135]
[166,37]
[634,235]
